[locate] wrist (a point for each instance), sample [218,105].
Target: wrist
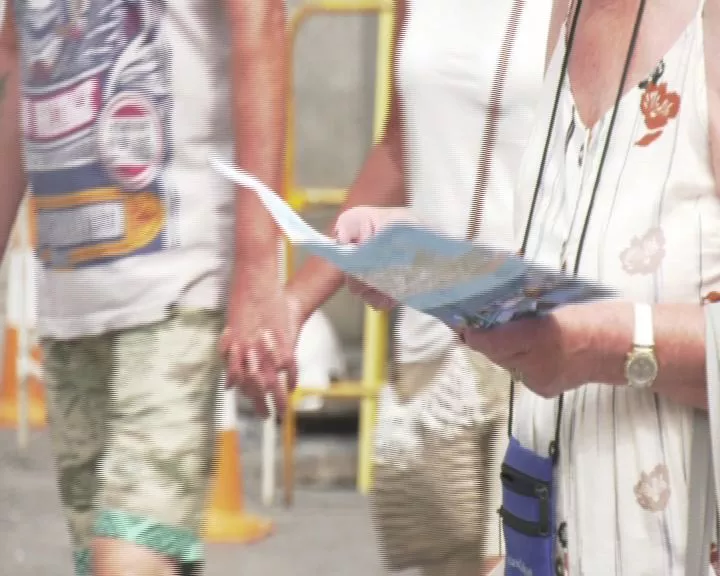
[255,274]
[256,257]
[301,300]
[641,367]
[613,342]
[313,284]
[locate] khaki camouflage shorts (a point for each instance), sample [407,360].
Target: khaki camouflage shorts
[132,424]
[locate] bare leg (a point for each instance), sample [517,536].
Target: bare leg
[489,565]
[119,558]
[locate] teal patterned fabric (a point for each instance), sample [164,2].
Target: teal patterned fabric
[177,543]
[82,562]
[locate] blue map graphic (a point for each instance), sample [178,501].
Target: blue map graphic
[457,281]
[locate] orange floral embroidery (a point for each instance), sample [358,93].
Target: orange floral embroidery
[711,298]
[648,138]
[653,490]
[658,107]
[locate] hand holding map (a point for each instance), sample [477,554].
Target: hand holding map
[459,282]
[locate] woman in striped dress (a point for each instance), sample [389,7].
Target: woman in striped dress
[627,195]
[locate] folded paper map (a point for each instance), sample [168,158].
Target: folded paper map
[457,281]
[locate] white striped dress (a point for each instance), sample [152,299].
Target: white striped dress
[654,234]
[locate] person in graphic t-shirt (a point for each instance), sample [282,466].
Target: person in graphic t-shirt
[108,112]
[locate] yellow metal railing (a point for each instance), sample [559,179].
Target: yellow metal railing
[375,340]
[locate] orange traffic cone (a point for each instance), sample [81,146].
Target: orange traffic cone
[226,520]
[9,417]
[20,314]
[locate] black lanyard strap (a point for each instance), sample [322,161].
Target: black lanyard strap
[554,444]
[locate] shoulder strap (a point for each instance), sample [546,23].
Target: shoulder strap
[493,118]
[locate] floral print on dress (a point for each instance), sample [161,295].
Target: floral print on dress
[645,253]
[653,490]
[657,104]
[711,298]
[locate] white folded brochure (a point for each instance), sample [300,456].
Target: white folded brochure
[455,280]
[295,228]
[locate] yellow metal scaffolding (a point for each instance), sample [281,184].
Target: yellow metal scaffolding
[375,340]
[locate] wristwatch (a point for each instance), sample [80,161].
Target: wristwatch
[641,367]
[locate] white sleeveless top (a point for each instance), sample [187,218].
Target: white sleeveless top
[122,102]
[655,235]
[447,61]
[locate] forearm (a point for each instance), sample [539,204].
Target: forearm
[12,174]
[379,183]
[679,348]
[259,109]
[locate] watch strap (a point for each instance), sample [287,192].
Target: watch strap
[644,334]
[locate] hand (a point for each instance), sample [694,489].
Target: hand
[259,345]
[358,225]
[558,352]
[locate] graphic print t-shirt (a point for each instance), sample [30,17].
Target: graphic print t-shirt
[122,102]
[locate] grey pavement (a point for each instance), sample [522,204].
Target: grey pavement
[327,532]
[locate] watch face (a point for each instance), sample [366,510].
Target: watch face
[641,369]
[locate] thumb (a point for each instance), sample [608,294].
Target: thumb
[352,225]
[345,233]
